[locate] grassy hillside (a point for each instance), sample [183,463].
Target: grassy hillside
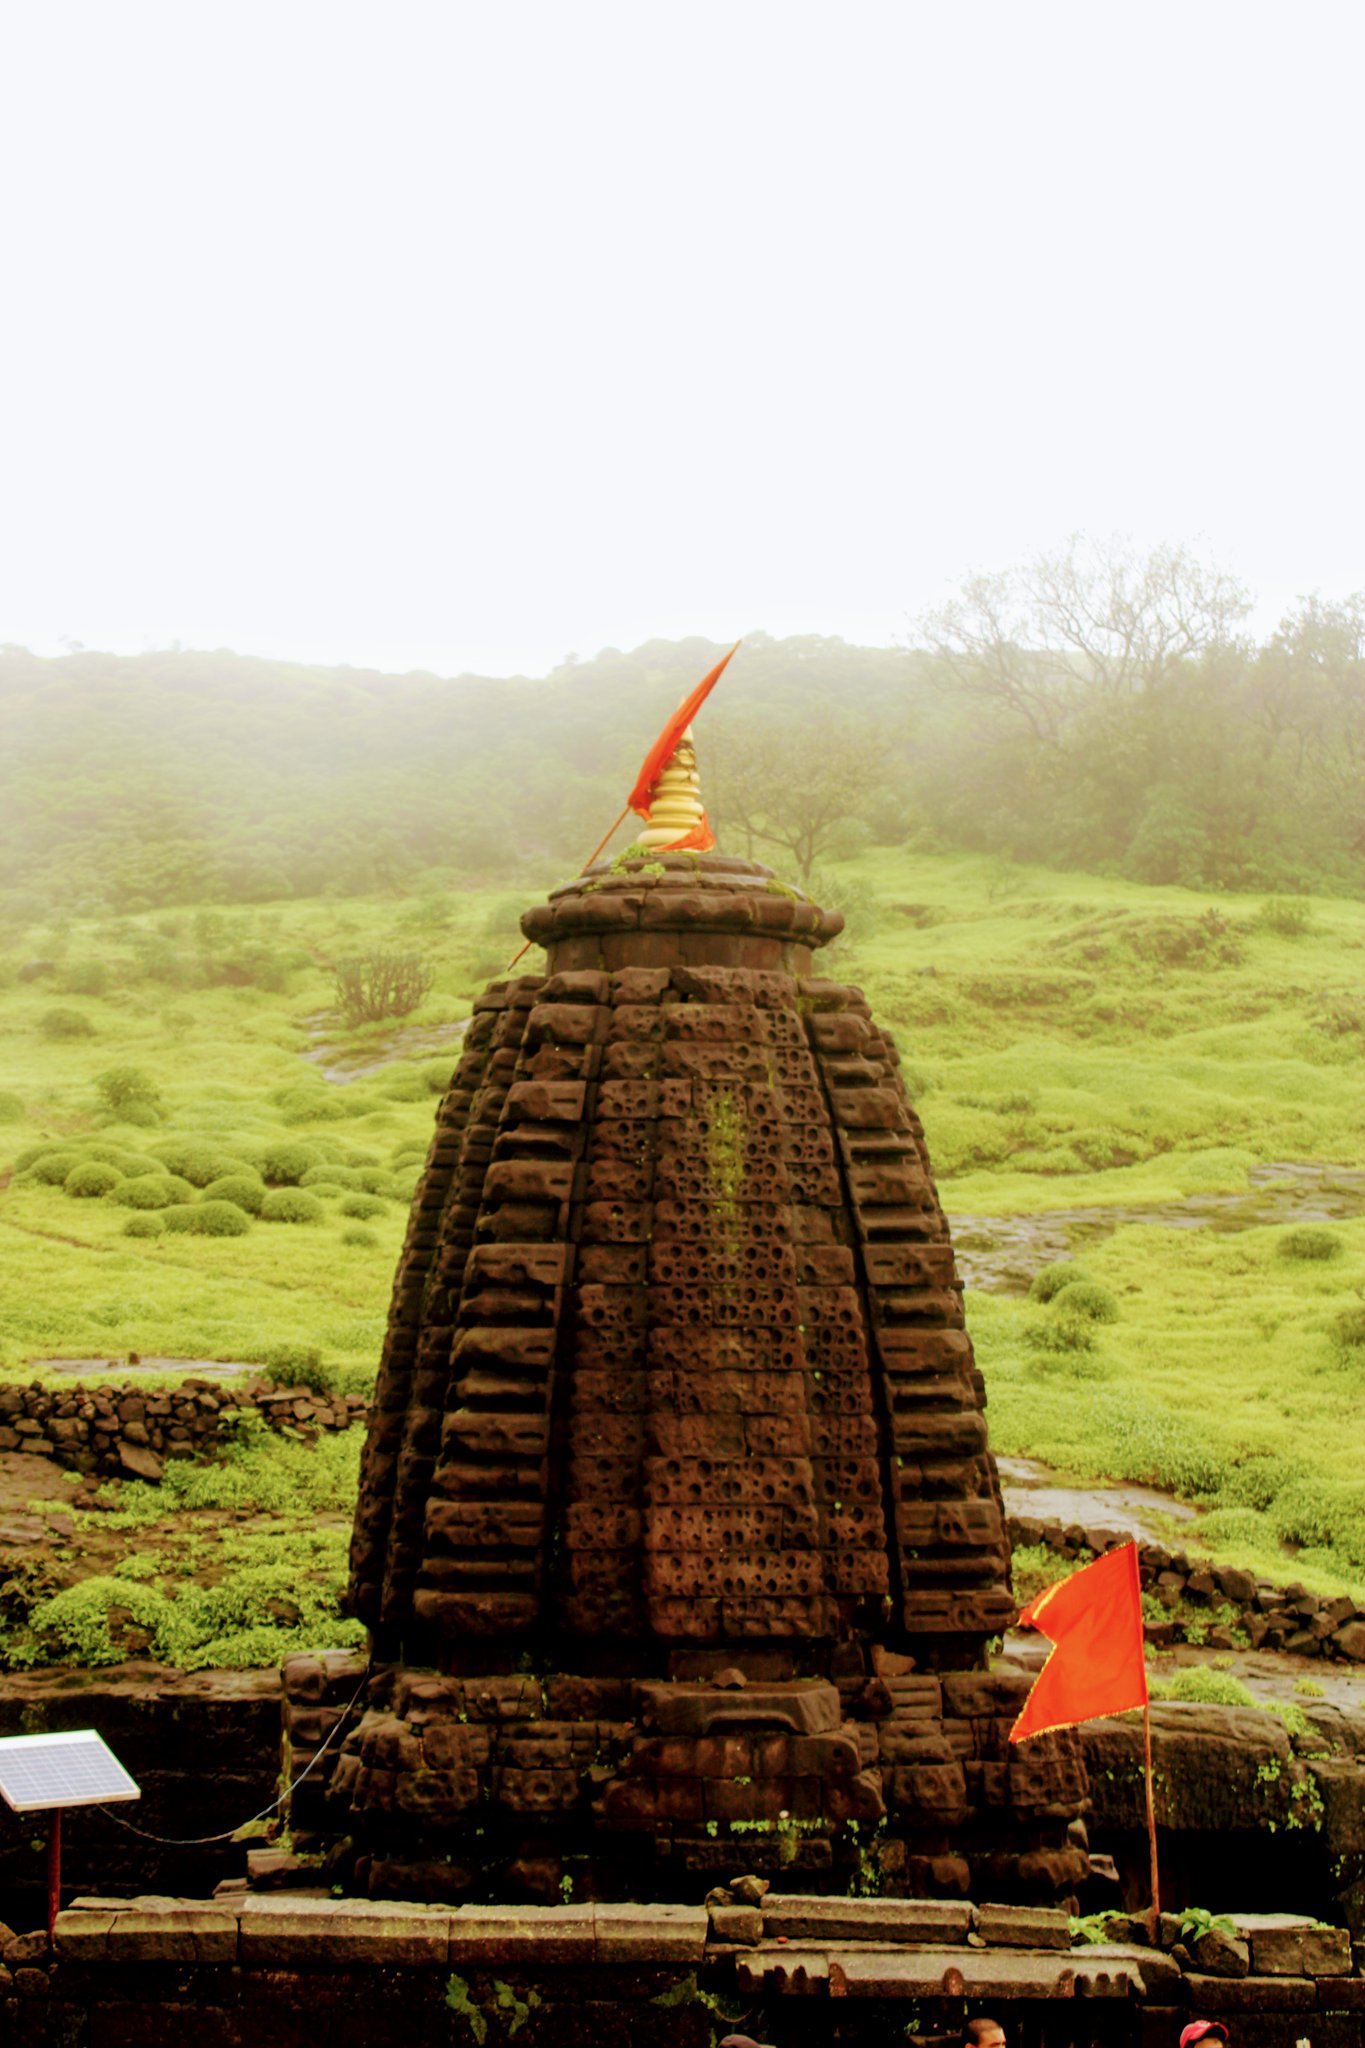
[1072,1043]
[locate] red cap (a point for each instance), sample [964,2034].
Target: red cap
[1199,2030]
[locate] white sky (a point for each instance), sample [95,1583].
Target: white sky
[462,333]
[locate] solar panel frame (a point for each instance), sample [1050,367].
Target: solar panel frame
[74,1767]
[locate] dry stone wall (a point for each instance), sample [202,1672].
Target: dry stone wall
[1229,1608]
[128,1432]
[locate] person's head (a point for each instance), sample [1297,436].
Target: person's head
[1212,2031]
[983,2033]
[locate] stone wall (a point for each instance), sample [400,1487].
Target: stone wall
[128,1432]
[1267,1616]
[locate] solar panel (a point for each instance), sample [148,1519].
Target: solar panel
[76,1768]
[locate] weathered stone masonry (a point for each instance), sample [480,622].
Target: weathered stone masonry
[677,1395]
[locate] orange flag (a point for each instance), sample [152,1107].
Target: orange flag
[1097,1665]
[664,748]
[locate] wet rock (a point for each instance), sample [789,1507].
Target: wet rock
[1221,1955]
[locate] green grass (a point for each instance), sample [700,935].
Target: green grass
[1070,1041]
[236,1563]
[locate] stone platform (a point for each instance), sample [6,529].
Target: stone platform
[279,1971]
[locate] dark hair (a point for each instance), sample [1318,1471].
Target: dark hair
[975,2031]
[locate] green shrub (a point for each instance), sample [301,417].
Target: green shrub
[1061,1333]
[219,1219]
[144,1225]
[402,1185]
[1309,1241]
[152,1191]
[53,1167]
[291,1205]
[180,1218]
[1348,1329]
[244,1190]
[1050,1280]
[359,1237]
[298,1365]
[142,1114]
[1208,1688]
[406,1155]
[137,1165]
[305,1102]
[92,1178]
[372,1180]
[65,1024]
[85,978]
[11,1108]
[200,1164]
[123,1088]
[406,1086]
[285,1164]
[1087,1298]
[1286,917]
[364,1205]
[328,1176]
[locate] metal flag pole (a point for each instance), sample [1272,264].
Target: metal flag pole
[54,1872]
[1154,1915]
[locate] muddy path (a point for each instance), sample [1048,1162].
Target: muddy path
[1001,1254]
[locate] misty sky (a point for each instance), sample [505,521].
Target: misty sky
[460,336]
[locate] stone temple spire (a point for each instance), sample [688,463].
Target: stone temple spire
[679,1540]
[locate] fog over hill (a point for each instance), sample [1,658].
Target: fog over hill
[1165,753]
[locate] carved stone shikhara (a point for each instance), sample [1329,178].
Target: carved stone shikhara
[677,1515]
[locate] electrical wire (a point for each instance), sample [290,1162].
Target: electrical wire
[202,1841]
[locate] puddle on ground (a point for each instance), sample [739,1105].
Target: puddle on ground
[1001,1254]
[338,1062]
[1141,1511]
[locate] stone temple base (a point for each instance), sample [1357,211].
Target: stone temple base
[451,1788]
[281,1972]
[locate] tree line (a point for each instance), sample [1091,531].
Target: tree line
[1095,708]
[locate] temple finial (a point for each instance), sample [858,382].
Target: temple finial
[677,816]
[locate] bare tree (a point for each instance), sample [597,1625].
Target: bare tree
[1093,620]
[380,984]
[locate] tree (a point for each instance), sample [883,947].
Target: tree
[1096,621]
[795,785]
[381,984]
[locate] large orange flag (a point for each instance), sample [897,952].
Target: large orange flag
[1097,1665]
[664,748]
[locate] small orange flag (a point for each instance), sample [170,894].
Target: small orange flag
[664,748]
[1097,1665]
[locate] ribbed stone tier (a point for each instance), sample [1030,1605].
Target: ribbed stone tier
[677,1350]
[679,1539]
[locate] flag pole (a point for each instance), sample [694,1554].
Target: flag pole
[582,871]
[1154,1915]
